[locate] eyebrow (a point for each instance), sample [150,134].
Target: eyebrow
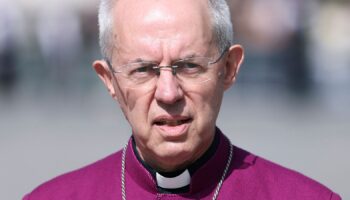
[138,60]
[189,56]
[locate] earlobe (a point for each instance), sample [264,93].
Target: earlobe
[101,68]
[234,61]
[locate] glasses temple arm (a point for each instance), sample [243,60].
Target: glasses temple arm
[221,55]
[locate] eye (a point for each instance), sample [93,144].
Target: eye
[141,70]
[188,68]
[188,65]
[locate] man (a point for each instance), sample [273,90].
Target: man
[167,63]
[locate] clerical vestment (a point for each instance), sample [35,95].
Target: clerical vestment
[249,177]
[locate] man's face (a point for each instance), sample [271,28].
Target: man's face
[173,123]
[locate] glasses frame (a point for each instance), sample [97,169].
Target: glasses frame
[172,67]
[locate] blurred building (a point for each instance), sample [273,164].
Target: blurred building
[10,17]
[329,43]
[273,37]
[59,36]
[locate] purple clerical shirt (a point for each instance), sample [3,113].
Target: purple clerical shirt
[249,178]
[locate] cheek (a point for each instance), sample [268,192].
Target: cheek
[207,103]
[137,108]
[213,103]
[216,94]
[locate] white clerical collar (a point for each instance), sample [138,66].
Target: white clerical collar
[176,182]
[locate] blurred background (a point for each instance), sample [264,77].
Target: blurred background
[291,103]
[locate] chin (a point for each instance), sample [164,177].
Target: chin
[174,152]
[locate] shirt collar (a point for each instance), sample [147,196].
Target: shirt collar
[191,179]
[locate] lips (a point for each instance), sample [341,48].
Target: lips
[171,121]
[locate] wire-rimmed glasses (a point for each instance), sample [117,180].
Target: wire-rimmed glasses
[192,70]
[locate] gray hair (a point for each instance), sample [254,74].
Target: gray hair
[221,17]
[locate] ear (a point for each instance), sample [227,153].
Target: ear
[103,72]
[234,60]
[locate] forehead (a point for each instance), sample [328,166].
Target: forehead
[172,24]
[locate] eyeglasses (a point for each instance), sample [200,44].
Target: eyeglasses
[192,70]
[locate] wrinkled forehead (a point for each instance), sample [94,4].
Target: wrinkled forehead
[153,9]
[162,18]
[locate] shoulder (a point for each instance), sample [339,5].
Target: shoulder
[276,181]
[83,183]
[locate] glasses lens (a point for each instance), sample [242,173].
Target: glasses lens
[193,70]
[138,74]
[189,71]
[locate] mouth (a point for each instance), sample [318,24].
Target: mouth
[166,121]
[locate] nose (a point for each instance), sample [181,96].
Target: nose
[168,90]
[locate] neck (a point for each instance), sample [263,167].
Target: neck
[174,170]
[205,172]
